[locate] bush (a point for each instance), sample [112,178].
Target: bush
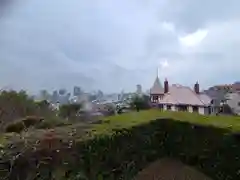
[15,105]
[140,102]
[51,123]
[17,127]
[32,120]
[69,110]
[121,151]
[20,125]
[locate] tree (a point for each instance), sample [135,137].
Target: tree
[69,110]
[44,108]
[110,109]
[15,105]
[140,102]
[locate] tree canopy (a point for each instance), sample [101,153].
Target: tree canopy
[140,102]
[69,110]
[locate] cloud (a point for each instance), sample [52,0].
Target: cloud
[114,45]
[193,39]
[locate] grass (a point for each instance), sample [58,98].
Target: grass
[135,118]
[128,120]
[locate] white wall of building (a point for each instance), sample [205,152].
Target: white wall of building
[190,109]
[201,110]
[173,108]
[165,107]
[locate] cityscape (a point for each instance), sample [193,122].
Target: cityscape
[217,95]
[119,90]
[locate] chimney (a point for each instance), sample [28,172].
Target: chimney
[166,88]
[196,88]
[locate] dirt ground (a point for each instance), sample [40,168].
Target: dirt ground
[169,169]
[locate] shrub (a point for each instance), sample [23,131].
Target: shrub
[16,127]
[69,110]
[51,123]
[32,120]
[19,125]
[121,150]
[15,105]
[140,102]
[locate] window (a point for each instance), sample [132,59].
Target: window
[195,108]
[155,99]
[168,107]
[182,108]
[238,103]
[160,106]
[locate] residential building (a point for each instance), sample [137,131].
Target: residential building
[217,96]
[236,87]
[233,100]
[227,88]
[176,97]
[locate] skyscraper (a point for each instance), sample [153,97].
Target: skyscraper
[139,89]
[77,91]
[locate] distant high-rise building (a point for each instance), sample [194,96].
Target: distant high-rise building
[55,97]
[62,91]
[100,94]
[77,91]
[44,95]
[139,89]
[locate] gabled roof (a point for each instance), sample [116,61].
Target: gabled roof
[179,94]
[205,98]
[157,87]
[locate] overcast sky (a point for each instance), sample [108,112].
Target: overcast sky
[116,44]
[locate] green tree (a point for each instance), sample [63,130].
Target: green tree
[69,110]
[44,108]
[15,105]
[140,102]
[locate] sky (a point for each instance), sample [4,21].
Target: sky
[115,45]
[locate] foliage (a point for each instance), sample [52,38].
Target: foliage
[15,105]
[51,122]
[140,102]
[69,110]
[20,125]
[132,141]
[110,109]
[18,112]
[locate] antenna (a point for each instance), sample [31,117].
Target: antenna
[157,71]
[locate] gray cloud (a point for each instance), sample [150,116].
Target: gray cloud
[114,45]
[190,15]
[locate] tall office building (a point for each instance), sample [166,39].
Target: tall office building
[44,95]
[77,91]
[55,96]
[139,89]
[62,91]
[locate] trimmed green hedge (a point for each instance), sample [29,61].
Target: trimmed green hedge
[125,151]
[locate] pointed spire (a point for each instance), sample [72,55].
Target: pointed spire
[157,87]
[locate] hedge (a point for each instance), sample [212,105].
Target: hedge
[120,151]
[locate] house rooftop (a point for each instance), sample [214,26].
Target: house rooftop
[179,94]
[157,87]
